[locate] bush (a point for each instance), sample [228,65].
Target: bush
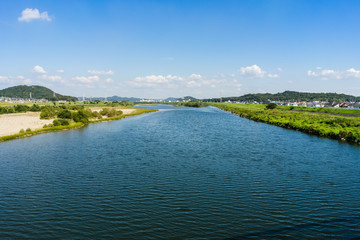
[64,122]
[22,131]
[10,110]
[45,126]
[35,108]
[28,130]
[65,114]
[81,116]
[104,111]
[271,106]
[111,113]
[47,113]
[21,108]
[97,115]
[56,122]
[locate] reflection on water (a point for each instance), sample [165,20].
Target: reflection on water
[180,173]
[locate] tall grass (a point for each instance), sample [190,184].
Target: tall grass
[336,127]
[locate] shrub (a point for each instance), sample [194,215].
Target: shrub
[45,126]
[65,114]
[64,122]
[271,106]
[81,116]
[104,111]
[96,114]
[111,113]
[47,113]
[28,130]
[21,108]
[56,122]
[35,108]
[22,131]
[10,110]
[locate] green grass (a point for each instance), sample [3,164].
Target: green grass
[325,110]
[324,125]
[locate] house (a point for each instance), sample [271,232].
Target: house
[344,105]
[356,105]
[335,105]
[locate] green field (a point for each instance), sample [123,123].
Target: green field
[316,123]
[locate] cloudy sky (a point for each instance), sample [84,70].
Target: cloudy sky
[202,48]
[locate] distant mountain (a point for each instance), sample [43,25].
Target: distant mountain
[288,96]
[37,92]
[171,99]
[188,98]
[129,99]
[111,99]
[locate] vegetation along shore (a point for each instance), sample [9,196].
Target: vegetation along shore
[28,120]
[313,122]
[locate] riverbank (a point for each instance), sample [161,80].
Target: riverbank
[320,124]
[21,125]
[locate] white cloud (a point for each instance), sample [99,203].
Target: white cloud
[60,71]
[101,72]
[54,78]
[280,69]
[30,14]
[83,79]
[273,75]
[27,81]
[4,79]
[327,74]
[253,71]
[109,80]
[195,76]
[192,81]
[14,80]
[352,73]
[38,69]
[154,80]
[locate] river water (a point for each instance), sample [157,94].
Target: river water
[179,173]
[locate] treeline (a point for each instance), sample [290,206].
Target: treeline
[336,127]
[37,92]
[77,114]
[190,104]
[20,108]
[289,96]
[122,103]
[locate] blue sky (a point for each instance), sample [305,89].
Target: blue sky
[203,48]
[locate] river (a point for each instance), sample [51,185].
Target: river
[179,173]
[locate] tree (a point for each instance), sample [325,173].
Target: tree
[271,106]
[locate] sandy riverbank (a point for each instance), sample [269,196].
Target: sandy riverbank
[124,110]
[13,123]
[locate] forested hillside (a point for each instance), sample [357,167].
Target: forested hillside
[37,92]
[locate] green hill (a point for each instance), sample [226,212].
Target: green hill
[37,92]
[289,96]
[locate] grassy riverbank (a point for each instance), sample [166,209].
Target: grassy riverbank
[317,123]
[72,125]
